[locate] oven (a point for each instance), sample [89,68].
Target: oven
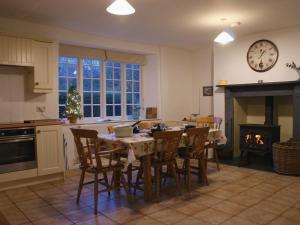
[17,149]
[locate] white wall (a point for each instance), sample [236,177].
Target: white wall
[203,76]
[230,62]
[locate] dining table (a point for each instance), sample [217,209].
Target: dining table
[141,145]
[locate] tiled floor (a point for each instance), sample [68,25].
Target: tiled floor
[235,196]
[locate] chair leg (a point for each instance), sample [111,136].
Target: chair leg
[173,170]
[199,171]
[80,185]
[216,158]
[138,177]
[188,174]
[203,172]
[129,175]
[157,180]
[96,193]
[125,185]
[107,183]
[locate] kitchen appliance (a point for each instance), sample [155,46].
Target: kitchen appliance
[17,149]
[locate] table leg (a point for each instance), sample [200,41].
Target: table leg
[147,178]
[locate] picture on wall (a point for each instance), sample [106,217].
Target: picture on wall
[208,91]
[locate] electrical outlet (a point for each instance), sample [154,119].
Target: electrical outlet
[41,109]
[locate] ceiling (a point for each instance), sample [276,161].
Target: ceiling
[181,23]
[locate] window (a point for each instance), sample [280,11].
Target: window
[133,88]
[121,82]
[91,88]
[113,89]
[68,77]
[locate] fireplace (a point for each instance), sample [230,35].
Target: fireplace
[254,134]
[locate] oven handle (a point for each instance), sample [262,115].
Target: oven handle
[16,140]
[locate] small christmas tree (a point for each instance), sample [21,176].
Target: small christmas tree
[73,105]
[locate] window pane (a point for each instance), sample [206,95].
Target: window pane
[72,70]
[117,84]
[117,98]
[96,111]
[109,85]
[109,98]
[63,59]
[117,64]
[109,63]
[117,110]
[62,98]
[129,110]
[136,75]
[117,73]
[62,69]
[136,87]
[109,110]
[109,73]
[136,98]
[136,66]
[87,111]
[72,60]
[62,85]
[128,74]
[87,71]
[129,98]
[96,98]
[128,66]
[87,62]
[87,98]
[86,85]
[62,111]
[96,85]
[72,82]
[96,71]
[129,86]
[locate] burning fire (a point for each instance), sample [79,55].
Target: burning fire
[258,139]
[248,138]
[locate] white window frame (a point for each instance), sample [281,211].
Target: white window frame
[103,89]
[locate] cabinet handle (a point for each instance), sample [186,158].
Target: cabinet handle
[37,83]
[38,131]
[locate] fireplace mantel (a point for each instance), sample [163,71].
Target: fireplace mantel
[285,88]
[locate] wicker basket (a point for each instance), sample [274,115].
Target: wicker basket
[286,158]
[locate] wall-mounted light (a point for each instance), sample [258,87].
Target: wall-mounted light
[121,8]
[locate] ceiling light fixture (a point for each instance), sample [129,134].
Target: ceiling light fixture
[224,37]
[121,8]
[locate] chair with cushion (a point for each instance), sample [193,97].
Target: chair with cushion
[97,159]
[196,149]
[213,123]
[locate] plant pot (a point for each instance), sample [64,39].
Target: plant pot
[72,119]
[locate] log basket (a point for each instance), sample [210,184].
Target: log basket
[286,158]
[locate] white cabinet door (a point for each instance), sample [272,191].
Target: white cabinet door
[16,51]
[49,142]
[44,62]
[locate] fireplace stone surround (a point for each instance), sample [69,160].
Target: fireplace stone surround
[287,88]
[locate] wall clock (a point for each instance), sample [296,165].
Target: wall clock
[262,55]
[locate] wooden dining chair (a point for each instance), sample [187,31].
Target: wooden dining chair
[97,159]
[195,149]
[110,129]
[165,151]
[213,123]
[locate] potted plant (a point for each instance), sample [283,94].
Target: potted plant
[73,105]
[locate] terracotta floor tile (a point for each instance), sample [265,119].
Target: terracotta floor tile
[54,220]
[191,221]
[98,220]
[40,213]
[207,200]
[238,221]
[31,204]
[190,208]
[14,216]
[293,214]
[168,216]
[21,194]
[297,205]
[81,215]
[144,221]
[283,221]
[257,216]
[213,216]
[123,215]
[271,206]
[245,199]
[151,208]
[229,207]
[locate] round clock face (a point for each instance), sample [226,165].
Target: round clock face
[262,55]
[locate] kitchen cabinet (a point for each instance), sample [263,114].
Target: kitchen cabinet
[49,145]
[45,66]
[16,51]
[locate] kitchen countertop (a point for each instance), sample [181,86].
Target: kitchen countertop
[32,123]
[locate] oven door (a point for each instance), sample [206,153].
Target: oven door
[17,154]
